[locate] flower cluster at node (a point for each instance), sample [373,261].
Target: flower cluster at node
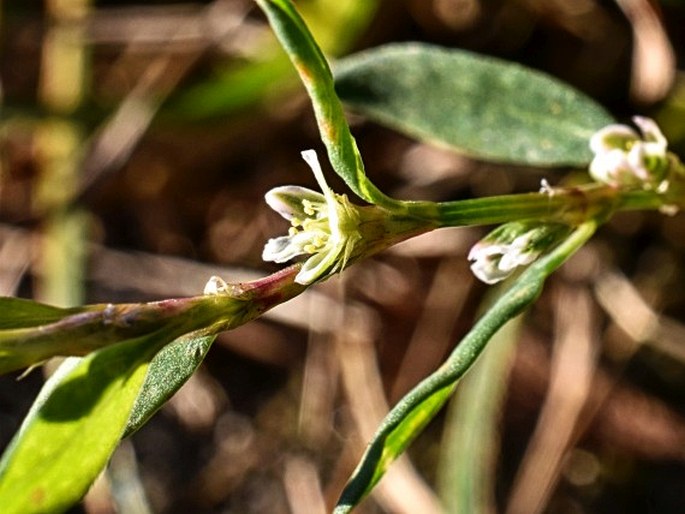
[324,226]
[626,159]
[510,246]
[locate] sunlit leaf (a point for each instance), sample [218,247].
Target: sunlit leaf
[482,106]
[73,427]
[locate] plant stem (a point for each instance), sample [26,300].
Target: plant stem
[561,205]
[85,329]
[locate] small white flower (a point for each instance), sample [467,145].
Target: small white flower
[624,158]
[324,226]
[510,246]
[492,263]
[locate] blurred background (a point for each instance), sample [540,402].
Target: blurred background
[137,140]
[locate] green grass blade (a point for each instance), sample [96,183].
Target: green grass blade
[406,420]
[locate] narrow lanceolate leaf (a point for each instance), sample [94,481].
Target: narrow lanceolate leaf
[73,428]
[482,106]
[168,371]
[471,436]
[406,420]
[315,73]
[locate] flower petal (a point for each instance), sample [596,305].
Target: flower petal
[518,254]
[651,132]
[487,270]
[312,160]
[316,266]
[485,259]
[281,249]
[289,201]
[612,137]
[610,167]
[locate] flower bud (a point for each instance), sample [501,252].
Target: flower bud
[626,159]
[509,246]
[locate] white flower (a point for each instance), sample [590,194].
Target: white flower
[510,246]
[624,158]
[493,263]
[325,226]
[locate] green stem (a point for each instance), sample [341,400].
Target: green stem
[85,329]
[647,200]
[563,205]
[572,205]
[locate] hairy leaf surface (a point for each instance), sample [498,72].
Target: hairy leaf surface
[484,107]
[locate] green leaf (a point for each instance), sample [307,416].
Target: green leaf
[20,313]
[482,106]
[411,414]
[73,427]
[471,442]
[168,371]
[316,76]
